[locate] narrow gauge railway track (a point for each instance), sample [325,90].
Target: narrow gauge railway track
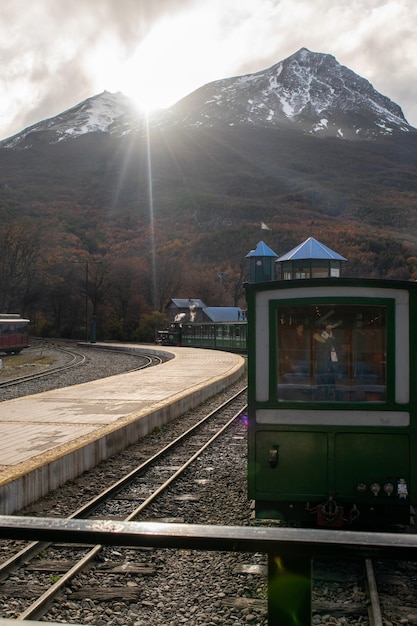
[76,358]
[136,491]
[395,586]
[368,592]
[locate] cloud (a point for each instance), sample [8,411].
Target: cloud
[374,38]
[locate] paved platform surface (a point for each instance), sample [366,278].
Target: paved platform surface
[49,438]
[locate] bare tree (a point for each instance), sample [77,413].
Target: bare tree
[20,260]
[164,280]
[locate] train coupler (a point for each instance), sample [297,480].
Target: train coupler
[328,514]
[331,515]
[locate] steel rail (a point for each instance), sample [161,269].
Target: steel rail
[38,608]
[374,609]
[78,358]
[29,552]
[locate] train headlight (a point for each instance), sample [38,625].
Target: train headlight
[375,488]
[388,488]
[361,487]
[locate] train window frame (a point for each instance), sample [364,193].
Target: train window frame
[396,301]
[327,368]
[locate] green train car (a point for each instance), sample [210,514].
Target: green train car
[220,335]
[332,401]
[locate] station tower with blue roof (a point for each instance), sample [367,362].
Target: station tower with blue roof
[261,263]
[310,259]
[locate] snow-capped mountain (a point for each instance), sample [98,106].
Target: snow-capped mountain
[107,112]
[308,91]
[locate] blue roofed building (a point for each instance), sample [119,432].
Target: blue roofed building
[261,263]
[310,259]
[223,314]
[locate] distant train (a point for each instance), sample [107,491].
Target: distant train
[332,401]
[217,335]
[13,333]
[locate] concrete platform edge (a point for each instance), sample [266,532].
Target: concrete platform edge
[44,476]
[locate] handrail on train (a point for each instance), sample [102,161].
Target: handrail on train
[295,547]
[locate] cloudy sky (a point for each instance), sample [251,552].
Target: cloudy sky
[57,53]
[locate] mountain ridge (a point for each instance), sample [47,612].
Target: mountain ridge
[308,91]
[181,202]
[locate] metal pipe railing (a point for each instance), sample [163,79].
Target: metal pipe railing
[290,550]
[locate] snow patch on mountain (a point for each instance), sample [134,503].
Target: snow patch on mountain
[310,92]
[104,113]
[300,91]
[98,116]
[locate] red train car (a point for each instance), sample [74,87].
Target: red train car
[13,333]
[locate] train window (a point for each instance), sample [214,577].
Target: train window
[332,353]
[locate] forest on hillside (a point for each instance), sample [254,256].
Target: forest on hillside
[97,227]
[126,287]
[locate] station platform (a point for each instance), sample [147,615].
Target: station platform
[55,436]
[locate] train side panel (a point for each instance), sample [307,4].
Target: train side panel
[13,333]
[220,335]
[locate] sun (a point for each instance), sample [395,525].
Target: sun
[169,62]
[153,76]
[173,59]
[147,87]
[148,95]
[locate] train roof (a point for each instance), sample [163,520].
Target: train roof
[12,317]
[343,281]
